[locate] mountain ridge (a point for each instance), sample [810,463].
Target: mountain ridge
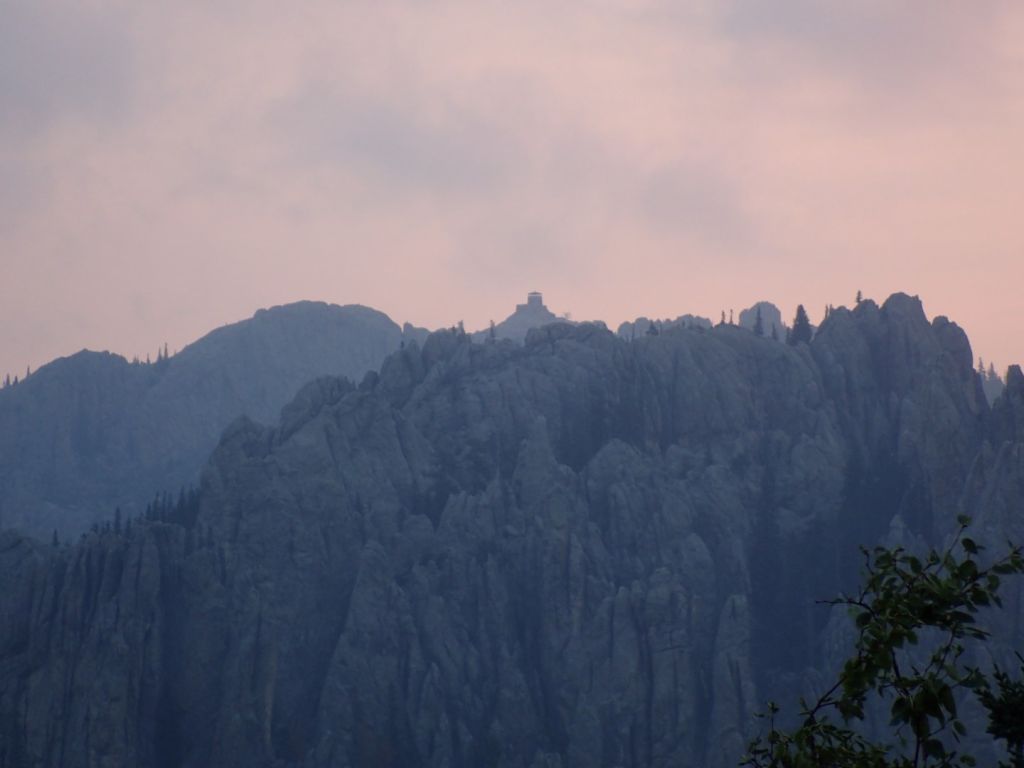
[92,431]
[580,551]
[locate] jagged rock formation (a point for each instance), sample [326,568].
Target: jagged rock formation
[771,320]
[578,552]
[92,431]
[643,325]
[532,314]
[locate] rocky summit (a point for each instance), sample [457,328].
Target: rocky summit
[532,314]
[581,551]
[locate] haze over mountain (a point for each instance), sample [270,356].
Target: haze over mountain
[160,178]
[92,432]
[581,551]
[529,538]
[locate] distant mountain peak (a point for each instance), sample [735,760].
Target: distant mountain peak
[91,432]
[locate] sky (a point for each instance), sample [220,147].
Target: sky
[169,167]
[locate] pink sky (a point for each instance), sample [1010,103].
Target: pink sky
[168,168]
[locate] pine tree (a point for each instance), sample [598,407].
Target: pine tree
[801,331]
[55,542]
[492,335]
[722,321]
[117,521]
[775,332]
[758,324]
[860,297]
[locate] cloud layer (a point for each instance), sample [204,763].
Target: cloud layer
[171,167]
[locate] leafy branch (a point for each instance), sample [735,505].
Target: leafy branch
[905,599]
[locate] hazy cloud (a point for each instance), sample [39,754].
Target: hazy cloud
[59,60]
[889,44]
[699,201]
[394,144]
[170,167]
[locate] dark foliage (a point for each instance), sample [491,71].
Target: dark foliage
[905,599]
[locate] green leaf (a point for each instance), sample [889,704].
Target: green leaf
[903,594]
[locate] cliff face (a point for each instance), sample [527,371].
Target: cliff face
[579,552]
[91,432]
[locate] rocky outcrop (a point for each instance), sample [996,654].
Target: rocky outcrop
[771,320]
[643,326]
[581,551]
[92,432]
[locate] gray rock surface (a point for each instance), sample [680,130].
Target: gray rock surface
[581,551]
[91,432]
